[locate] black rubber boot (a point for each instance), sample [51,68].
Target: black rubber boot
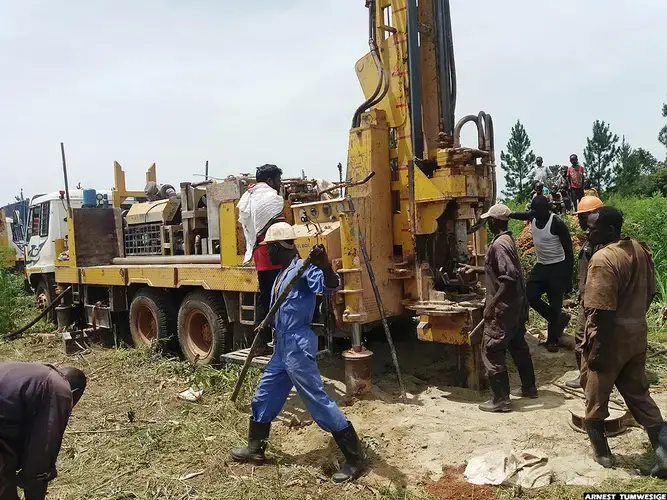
[520,392]
[348,442]
[527,376]
[658,437]
[555,331]
[563,321]
[576,382]
[500,394]
[596,433]
[254,452]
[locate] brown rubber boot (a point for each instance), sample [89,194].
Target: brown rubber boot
[500,394]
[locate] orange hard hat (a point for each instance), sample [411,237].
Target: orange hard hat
[588,204]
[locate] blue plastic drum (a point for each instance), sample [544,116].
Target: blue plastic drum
[89,198]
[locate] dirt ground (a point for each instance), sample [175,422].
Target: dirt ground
[130,437]
[442,426]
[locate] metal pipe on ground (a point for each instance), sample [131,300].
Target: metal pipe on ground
[166,259]
[378,299]
[17,333]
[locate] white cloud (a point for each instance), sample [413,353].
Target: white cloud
[244,83]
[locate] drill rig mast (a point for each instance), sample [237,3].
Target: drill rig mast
[433,188]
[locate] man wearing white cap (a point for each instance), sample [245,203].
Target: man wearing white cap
[505,315]
[293,362]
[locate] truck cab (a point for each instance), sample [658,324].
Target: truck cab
[47,222]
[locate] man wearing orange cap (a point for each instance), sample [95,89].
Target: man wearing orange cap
[586,206]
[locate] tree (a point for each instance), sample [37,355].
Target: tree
[518,164]
[634,173]
[662,137]
[600,152]
[627,168]
[648,164]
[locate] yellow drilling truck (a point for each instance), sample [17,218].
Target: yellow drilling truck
[172,267]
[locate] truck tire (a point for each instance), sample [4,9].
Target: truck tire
[43,298]
[203,331]
[152,318]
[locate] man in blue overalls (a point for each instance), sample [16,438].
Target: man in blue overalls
[293,362]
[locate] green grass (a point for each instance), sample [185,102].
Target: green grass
[130,436]
[17,307]
[563,492]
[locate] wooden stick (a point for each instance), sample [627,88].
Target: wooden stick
[117,476]
[661,352]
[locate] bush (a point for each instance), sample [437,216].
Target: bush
[16,307]
[645,219]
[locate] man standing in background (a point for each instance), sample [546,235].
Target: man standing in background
[562,186]
[552,274]
[575,175]
[259,207]
[541,173]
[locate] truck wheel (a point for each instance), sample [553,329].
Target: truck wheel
[152,318]
[203,331]
[43,299]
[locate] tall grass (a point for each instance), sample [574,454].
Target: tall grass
[16,306]
[645,219]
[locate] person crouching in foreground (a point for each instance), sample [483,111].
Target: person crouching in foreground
[293,362]
[505,315]
[36,401]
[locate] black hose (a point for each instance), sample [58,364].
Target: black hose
[15,334]
[451,59]
[415,81]
[445,64]
[383,77]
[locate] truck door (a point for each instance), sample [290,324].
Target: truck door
[38,236]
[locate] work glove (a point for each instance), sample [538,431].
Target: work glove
[319,257]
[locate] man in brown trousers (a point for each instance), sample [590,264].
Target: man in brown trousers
[619,289]
[585,208]
[36,401]
[505,315]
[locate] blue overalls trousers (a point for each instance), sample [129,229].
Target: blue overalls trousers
[293,363]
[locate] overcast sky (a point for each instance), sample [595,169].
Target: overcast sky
[241,83]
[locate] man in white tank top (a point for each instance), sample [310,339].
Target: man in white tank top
[552,274]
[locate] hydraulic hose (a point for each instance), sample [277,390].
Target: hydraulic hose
[486,121]
[383,78]
[452,60]
[17,333]
[445,63]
